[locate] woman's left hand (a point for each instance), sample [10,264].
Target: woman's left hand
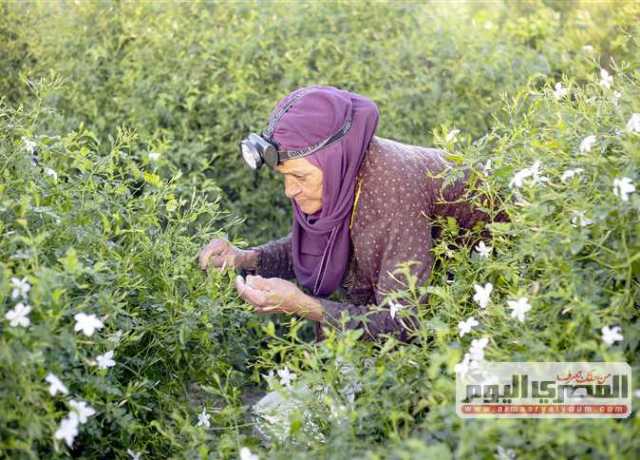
[273,295]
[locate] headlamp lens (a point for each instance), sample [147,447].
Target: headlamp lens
[250,155]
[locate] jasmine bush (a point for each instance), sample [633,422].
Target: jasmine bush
[118,160]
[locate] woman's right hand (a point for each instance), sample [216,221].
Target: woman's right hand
[219,253]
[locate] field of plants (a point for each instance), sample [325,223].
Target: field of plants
[119,131]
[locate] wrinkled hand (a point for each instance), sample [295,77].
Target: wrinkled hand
[272,295]
[220,253]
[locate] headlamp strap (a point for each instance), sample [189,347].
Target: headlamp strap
[290,154]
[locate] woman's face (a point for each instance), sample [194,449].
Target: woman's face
[302,183]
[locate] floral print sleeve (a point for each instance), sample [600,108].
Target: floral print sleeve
[275,260]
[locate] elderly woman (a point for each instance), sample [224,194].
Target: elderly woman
[362,205]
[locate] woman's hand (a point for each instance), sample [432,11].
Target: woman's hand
[275,295]
[219,253]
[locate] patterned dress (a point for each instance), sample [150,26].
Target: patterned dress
[403,189]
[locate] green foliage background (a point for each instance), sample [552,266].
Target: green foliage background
[99,86]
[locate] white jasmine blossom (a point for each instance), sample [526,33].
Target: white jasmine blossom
[487,167]
[115,338]
[88,324]
[606,80]
[134,455]
[452,135]
[578,219]
[463,366]
[535,173]
[68,429]
[82,410]
[569,173]
[519,177]
[483,294]
[29,145]
[21,288]
[468,363]
[203,418]
[466,326]
[18,316]
[616,97]
[483,250]
[633,125]
[51,173]
[532,172]
[476,351]
[55,385]
[395,307]
[506,454]
[268,377]
[105,361]
[587,144]
[246,454]
[560,91]
[623,187]
[519,308]
[611,335]
[286,377]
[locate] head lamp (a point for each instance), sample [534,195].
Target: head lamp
[256,151]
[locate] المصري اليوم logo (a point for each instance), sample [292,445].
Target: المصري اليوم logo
[544,390]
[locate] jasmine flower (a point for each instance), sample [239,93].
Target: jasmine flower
[21,288]
[579,219]
[82,410]
[466,326]
[203,419]
[68,429]
[88,324]
[482,295]
[633,125]
[611,335]
[246,454]
[587,144]
[569,173]
[395,307]
[483,250]
[18,316]
[105,361]
[606,80]
[29,145]
[476,351]
[51,173]
[559,91]
[519,308]
[623,187]
[55,385]
[452,135]
[286,377]
[533,172]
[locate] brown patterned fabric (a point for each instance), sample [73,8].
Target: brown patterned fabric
[404,188]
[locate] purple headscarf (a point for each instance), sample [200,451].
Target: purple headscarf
[320,242]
